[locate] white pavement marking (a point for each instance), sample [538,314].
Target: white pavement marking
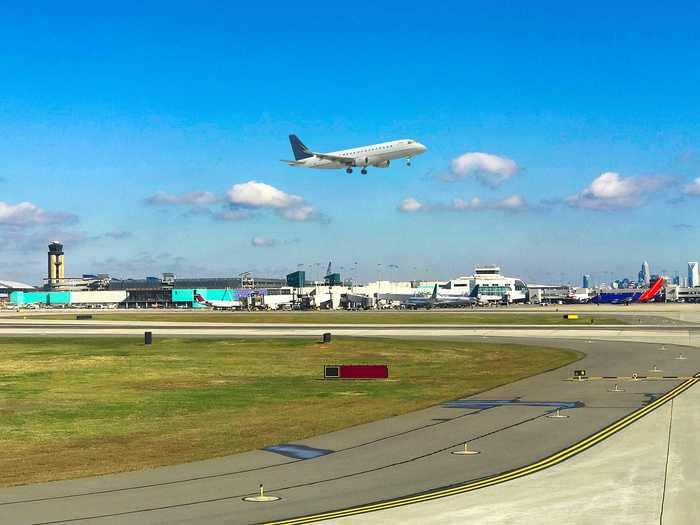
[619,481]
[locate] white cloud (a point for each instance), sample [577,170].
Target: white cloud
[488,169]
[411,205]
[240,201]
[693,188]
[26,214]
[512,203]
[611,191]
[255,194]
[472,204]
[301,213]
[190,198]
[261,241]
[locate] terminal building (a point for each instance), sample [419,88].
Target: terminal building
[486,285]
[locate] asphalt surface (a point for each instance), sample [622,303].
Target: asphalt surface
[647,474]
[8,326]
[391,458]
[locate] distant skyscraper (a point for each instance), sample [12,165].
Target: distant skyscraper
[645,274]
[693,274]
[586,281]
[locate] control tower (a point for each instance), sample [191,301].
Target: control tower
[57,272]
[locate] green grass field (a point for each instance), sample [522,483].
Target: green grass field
[83,406]
[391,317]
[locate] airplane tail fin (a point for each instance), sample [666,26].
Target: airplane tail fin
[434,294]
[199,298]
[651,292]
[300,151]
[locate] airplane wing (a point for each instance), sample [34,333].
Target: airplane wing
[293,162]
[334,158]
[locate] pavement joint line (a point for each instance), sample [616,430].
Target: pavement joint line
[668,457]
[543,464]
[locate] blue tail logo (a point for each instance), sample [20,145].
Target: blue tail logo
[300,151]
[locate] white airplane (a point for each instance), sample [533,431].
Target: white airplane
[438,300]
[377,155]
[217,305]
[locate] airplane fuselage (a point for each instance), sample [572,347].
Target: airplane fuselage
[377,155]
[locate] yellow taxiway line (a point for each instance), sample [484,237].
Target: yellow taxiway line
[545,463]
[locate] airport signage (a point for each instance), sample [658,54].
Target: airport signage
[579,373]
[356,371]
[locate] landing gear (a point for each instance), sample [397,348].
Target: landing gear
[408,161]
[349,170]
[364,171]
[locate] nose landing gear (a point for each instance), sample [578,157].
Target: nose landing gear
[364,171]
[408,161]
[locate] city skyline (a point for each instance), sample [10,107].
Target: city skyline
[154,146]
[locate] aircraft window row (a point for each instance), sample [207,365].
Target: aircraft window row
[366,150]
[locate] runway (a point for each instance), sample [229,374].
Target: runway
[394,458]
[672,333]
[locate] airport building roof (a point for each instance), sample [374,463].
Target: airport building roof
[15,285]
[204,282]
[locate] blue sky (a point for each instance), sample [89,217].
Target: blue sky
[101,109]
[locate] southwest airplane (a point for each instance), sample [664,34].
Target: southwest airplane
[377,155]
[628,297]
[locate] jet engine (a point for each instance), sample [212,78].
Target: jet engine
[362,161]
[381,164]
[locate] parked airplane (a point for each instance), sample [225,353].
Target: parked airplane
[218,305]
[440,301]
[632,296]
[376,155]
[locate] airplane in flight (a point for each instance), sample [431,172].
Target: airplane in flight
[376,155]
[440,301]
[218,304]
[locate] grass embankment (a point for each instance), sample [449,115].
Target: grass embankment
[77,407]
[427,318]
